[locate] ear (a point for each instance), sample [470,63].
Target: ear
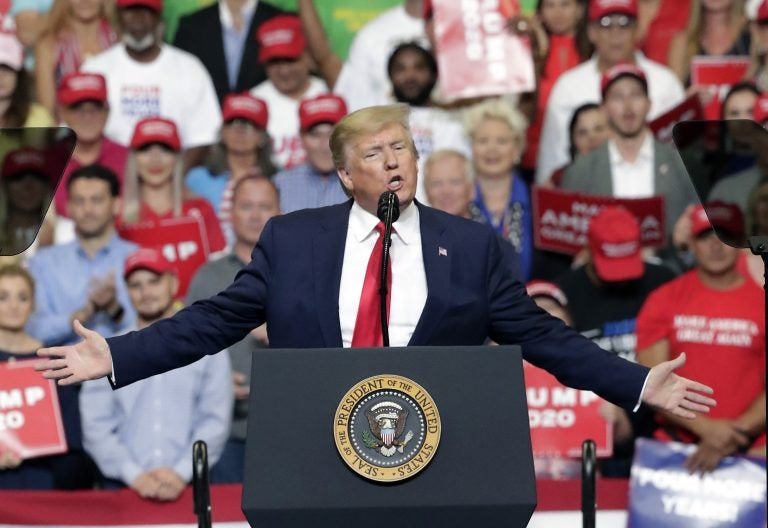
[591,33]
[117,205]
[346,179]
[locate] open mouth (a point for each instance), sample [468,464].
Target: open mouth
[395,184]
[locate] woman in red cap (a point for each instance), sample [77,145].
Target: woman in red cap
[154,189]
[16,106]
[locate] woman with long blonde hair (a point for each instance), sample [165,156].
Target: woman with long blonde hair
[716,28]
[74,31]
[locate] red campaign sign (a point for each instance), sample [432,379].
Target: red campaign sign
[689,110]
[561,418]
[717,75]
[561,218]
[30,418]
[183,241]
[476,53]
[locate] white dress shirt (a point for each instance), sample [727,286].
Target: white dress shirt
[409,280]
[632,179]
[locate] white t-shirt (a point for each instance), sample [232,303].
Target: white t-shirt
[175,85]
[434,129]
[283,125]
[581,85]
[363,80]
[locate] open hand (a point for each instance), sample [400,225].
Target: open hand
[680,396]
[89,359]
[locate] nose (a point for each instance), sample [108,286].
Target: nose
[390,159]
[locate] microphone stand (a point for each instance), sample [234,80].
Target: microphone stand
[388,213]
[759,246]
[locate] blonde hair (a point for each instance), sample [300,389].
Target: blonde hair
[497,108]
[58,20]
[695,27]
[364,122]
[132,189]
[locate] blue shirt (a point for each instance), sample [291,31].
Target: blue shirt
[303,187]
[234,41]
[154,422]
[205,184]
[62,279]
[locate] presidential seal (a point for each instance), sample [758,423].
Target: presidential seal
[387,428]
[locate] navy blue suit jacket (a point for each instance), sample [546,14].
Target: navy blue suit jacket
[293,281]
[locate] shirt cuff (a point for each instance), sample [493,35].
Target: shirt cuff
[640,399]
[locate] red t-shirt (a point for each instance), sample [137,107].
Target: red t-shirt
[112,156]
[722,334]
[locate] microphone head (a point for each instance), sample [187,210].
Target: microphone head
[388,200]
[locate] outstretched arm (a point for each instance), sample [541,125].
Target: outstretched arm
[87,360]
[666,391]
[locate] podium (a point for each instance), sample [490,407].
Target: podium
[480,473]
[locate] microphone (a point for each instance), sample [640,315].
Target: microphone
[388,212]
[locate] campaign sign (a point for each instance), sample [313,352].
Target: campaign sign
[689,110]
[30,418]
[476,52]
[182,240]
[663,493]
[717,75]
[561,218]
[561,418]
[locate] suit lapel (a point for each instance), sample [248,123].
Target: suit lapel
[437,253]
[604,183]
[328,252]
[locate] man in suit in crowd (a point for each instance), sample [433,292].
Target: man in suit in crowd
[450,286]
[223,37]
[632,164]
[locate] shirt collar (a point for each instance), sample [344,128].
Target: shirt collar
[105,249]
[226,16]
[645,152]
[362,223]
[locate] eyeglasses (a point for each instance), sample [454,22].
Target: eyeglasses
[620,21]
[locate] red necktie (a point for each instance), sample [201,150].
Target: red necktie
[368,324]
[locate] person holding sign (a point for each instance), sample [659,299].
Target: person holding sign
[69,470]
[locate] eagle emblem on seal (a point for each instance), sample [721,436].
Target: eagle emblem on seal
[386,421]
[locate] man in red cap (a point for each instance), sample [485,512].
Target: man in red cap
[230,51]
[632,164]
[613,31]
[134,441]
[282,51]
[605,296]
[146,78]
[83,107]
[716,316]
[314,183]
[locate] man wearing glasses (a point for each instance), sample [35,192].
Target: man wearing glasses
[613,32]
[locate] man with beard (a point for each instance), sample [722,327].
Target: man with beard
[632,164]
[81,279]
[134,438]
[146,77]
[412,70]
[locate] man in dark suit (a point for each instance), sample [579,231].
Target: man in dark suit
[450,286]
[223,37]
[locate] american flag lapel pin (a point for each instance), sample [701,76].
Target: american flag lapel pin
[441,251]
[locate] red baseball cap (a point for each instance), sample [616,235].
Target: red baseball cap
[77,87]
[155,5]
[281,37]
[614,240]
[11,51]
[246,107]
[762,12]
[760,110]
[156,130]
[717,215]
[149,259]
[542,288]
[324,108]
[600,8]
[25,160]
[624,69]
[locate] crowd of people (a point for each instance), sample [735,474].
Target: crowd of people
[189,141]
